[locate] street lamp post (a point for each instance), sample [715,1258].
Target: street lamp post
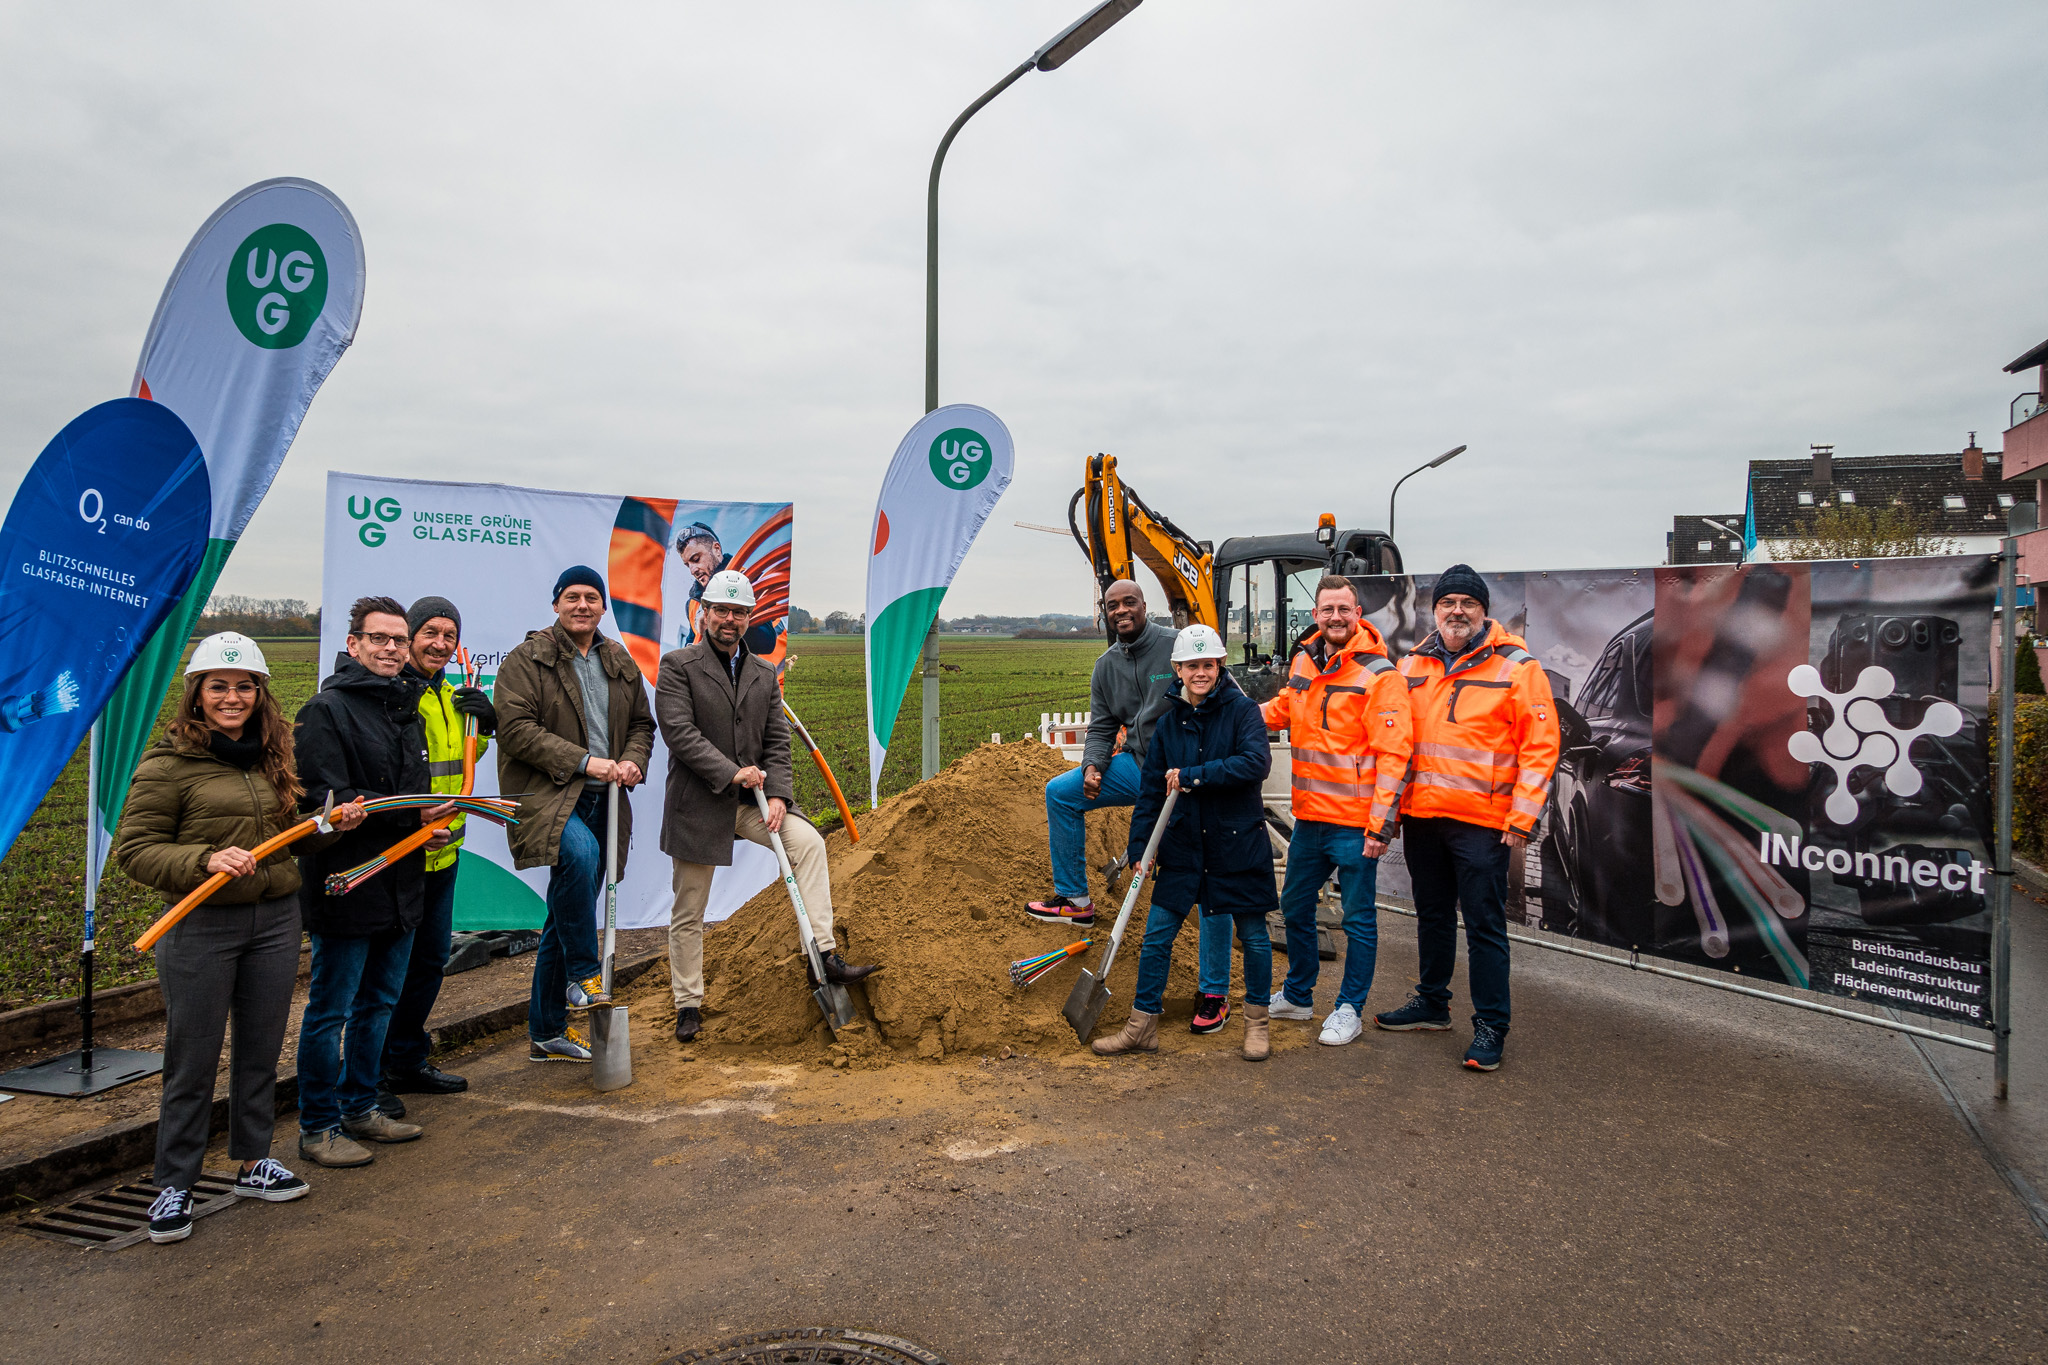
[1050,57]
[1444,458]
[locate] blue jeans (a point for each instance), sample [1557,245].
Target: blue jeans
[1162,926]
[355,982]
[1456,866]
[1316,850]
[568,940]
[406,1045]
[1068,833]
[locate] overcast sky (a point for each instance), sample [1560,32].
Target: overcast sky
[1272,255]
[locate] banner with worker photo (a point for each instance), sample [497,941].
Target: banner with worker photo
[100,541]
[941,486]
[495,551]
[255,316]
[1777,770]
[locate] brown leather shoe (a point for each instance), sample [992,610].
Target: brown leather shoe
[840,972]
[375,1125]
[1258,1043]
[688,1023]
[333,1148]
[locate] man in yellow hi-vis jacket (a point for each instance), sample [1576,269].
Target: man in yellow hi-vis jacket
[445,707]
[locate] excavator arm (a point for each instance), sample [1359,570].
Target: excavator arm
[1117,530]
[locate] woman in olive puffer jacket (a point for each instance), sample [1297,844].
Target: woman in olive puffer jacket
[221,783]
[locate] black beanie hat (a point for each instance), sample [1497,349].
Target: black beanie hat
[583,574]
[426,609]
[1461,578]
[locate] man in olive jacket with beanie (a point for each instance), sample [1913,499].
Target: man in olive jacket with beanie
[572,721]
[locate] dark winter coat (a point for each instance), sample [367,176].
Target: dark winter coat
[1215,852]
[360,735]
[713,729]
[183,808]
[542,741]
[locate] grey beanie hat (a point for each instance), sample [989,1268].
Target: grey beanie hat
[426,609]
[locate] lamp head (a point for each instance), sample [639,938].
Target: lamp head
[1080,33]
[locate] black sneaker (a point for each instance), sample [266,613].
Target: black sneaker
[1416,1014]
[389,1104]
[1060,910]
[170,1217]
[269,1180]
[1211,1013]
[424,1079]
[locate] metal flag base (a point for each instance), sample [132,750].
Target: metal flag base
[70,1075]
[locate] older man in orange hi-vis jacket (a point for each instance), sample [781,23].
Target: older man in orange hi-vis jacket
[1486,743]
[1345,709]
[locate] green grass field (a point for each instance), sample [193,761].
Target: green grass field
[1002,687]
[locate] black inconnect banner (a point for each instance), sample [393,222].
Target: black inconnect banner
[1777,770]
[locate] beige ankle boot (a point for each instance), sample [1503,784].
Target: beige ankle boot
[1141,1034]
[1258,1042]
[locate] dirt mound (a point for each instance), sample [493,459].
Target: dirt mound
[934,891]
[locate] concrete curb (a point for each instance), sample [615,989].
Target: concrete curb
[2029,876]
[56,1021]
[122,1146]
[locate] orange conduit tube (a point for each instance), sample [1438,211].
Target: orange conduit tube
[818,757]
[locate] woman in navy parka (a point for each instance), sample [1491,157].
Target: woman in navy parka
[1210,746]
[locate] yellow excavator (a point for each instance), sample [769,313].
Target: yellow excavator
[1255,591]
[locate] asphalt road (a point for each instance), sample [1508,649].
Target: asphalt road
[1659,1172]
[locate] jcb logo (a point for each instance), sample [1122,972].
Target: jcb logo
[375,516]
[276,286]
[1187,569]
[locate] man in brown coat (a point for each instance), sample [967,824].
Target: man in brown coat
[572,721]
[720,711]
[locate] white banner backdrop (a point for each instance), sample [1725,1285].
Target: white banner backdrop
[495,551]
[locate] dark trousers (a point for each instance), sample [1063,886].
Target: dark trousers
[406,1044]
[569,944]
[1453,866]
[222,962]
[355,983]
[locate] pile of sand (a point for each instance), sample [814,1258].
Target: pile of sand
[934,891]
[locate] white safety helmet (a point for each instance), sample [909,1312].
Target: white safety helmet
[227,650]
[731,587]
[1197,642]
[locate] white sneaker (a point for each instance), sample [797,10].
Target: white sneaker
[1282,1009]
[1341,1027]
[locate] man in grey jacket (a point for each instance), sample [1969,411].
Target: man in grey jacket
[720,713]
[1127,691]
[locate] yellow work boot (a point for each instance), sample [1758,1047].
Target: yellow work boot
[1141,1034]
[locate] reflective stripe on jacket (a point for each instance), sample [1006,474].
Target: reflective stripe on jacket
[1486,735]
[1349,724]
[444,758]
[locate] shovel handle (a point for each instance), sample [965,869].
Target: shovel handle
[1140,875]
[796,897]
[611,881]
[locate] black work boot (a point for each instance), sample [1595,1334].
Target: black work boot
[688,1023]
[424,1079]
[388,1102]
[841,973]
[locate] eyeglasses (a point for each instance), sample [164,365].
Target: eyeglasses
[218,690]
[727,610]
[380,641]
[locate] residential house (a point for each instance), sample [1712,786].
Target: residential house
[1701,539]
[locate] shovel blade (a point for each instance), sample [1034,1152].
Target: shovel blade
[611,1049]
[836,1005]
[1085,1003]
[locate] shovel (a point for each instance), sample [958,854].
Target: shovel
[1085,1002]
[611,1046]
[833,1001]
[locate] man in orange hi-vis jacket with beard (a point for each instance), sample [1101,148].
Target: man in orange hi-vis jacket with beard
[1486,743]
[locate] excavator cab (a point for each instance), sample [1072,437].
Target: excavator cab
[1265,593]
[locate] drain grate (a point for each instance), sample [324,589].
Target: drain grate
[803,1345]
[119,1217]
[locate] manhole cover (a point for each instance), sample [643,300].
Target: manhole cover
[829,1345]
[117,1218]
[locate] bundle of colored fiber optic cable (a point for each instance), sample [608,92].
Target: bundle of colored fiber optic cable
[1031,968]
[497,808]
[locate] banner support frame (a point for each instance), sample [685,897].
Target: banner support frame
[2001,856]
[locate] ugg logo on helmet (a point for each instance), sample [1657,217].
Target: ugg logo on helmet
[1862,736]
[231,654]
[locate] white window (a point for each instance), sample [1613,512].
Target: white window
[1805,498]
[1705,546]
[1847,495]
[1953,502]
[2005,499]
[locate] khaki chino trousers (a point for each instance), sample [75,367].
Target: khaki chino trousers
[806,849]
